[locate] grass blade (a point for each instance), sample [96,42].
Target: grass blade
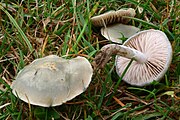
[18,28]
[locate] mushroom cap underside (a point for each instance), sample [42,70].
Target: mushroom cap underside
[155,45]
[51,81]
[113,17]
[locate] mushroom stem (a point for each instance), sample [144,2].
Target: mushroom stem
[114,49]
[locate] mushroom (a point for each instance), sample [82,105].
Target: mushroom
[113,24]
[117,32]
[152,54]
[51,81]
[113,17]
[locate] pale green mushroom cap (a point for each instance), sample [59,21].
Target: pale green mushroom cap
[51,81]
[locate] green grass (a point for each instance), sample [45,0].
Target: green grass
[30,30]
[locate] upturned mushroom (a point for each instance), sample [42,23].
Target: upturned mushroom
[51,81]
[152,54]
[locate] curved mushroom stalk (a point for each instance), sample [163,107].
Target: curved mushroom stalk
[114,49]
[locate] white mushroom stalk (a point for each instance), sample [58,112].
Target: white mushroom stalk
[152,54]
[127,52]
